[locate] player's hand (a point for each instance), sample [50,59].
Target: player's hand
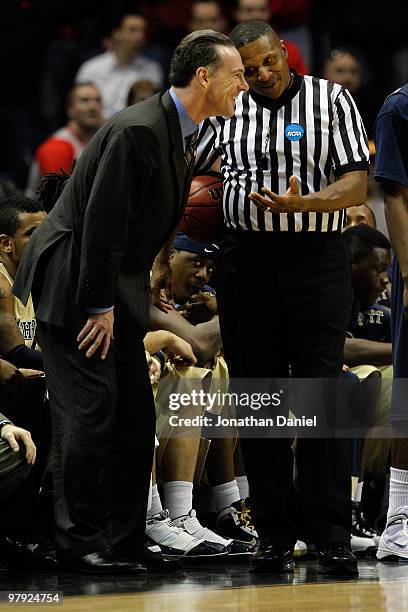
[154,367]
[180,351]
[201,307]
[160,300]
[161,281]
[7,371]
[97,333]
[12,434]
[291,202]
[405,300]
[28,373]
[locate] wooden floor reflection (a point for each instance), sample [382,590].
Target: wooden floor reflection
[379,587]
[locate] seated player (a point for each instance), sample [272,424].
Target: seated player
[19,218]
[15,460]
[24,446]
[191,264]
[368,349]
[174,542]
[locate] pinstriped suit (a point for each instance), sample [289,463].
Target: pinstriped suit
[95,249]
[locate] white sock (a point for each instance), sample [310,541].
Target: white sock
[225,494]
[156,505]
[398,491]
[359,491]
[242,482]
[178,497]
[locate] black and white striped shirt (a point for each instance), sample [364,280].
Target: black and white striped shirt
[313,131]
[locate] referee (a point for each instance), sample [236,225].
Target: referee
[293,158]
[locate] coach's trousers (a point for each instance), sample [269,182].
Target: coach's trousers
[103,423]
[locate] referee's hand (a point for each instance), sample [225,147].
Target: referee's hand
[292,201]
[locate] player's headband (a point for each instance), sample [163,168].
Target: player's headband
[184,243]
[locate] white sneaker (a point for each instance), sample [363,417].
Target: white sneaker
[192,525]
[394,539]
[300,549]
[360,544]
[176,543]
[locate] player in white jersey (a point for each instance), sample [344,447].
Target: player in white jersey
[19,217]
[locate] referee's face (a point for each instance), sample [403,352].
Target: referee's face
[266,66]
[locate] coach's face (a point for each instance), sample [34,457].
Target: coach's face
[225,83]
[266,66]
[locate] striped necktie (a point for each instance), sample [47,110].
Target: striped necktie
[191,144]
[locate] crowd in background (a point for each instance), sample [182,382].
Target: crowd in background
[43,44]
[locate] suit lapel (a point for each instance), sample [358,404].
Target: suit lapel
[176,141]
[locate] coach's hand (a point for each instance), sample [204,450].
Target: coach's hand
[97,333]
[291,202]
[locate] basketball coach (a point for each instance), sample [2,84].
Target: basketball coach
[88,270]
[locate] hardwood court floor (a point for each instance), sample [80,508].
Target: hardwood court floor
[224,587]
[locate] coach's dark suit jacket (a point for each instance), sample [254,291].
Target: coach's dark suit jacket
[97,245]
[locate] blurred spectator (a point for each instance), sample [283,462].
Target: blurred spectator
[343,66]
[346,66]
[115,70]
[63,148]
[360,214]
[141,90]
[207,15]
[260,9]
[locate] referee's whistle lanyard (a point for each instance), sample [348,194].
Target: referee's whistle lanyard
[265,154]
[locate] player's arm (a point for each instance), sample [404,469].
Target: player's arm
[358,351]
[205,338]
[6,297]
[161,276]
[162,340]
[396,214]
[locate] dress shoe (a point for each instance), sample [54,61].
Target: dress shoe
[27,557]
[336,559]
[105,562]
[273,558]
[151,555]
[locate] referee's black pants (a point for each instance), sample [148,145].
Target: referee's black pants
[285,299]
[103,422]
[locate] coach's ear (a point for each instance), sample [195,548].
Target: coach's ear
[203,76]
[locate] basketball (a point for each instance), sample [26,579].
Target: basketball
[203,217]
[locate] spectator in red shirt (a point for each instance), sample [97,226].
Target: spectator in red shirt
[61,149]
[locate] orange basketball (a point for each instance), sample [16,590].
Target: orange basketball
[203,217]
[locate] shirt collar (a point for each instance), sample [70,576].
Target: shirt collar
[187,124]
[274,104]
